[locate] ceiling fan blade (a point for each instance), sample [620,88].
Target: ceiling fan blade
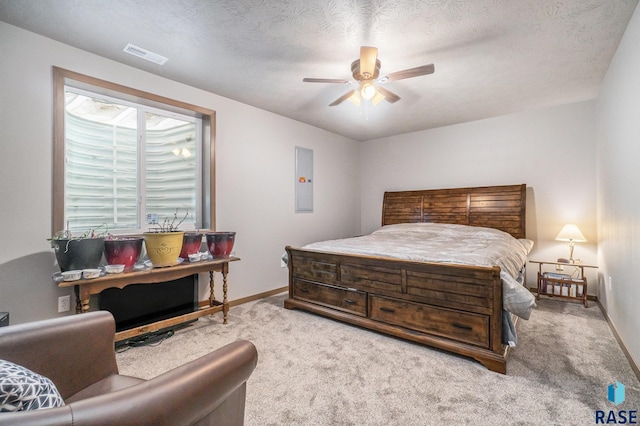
[368,57]
[325,80]
[342,98]
[411,72]
[389,96]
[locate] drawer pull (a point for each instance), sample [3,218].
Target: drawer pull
[464,327]
[349,301]
[304,290]
[384,309]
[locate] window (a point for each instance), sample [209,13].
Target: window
[124,157]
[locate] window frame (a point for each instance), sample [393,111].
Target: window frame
[62,77]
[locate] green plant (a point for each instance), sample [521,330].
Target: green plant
[169,223]
[66,234]
[91,233]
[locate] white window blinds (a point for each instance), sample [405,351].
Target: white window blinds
[125,161]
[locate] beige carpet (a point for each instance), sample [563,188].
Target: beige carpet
[316,371]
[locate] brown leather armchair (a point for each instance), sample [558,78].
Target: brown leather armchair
[77,353]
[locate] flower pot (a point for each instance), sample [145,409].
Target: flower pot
[191,243]
[123,251]
[81,253]
[163,248]
[220,244]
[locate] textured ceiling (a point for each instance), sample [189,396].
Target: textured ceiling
[491,57]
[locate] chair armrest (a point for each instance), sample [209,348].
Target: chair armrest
[73,351]
[182,396]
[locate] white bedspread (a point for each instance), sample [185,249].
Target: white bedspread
[448,243]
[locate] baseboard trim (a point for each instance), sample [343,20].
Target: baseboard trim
[250,298]
[632,363]
[259,296]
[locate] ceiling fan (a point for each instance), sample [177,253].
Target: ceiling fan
[366,71]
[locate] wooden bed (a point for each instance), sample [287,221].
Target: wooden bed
[452,307]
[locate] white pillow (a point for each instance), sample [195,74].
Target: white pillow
[527,244]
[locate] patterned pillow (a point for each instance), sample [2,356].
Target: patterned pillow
[21,389]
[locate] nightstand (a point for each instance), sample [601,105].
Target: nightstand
[566,281]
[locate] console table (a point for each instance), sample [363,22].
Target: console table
[85,288]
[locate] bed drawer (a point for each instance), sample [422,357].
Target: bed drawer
[343,299]
[463,326]
[370,277]
[321,270]
[467,294]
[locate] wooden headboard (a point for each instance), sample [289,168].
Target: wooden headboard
[500,207]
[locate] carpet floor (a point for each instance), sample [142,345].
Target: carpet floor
[317,371]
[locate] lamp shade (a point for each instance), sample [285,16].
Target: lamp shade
[571,232]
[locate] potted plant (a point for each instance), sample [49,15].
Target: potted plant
[122,251]
[164,242]
[76,252]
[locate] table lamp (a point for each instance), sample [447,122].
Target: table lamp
[571,233]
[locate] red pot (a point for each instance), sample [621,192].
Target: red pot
[191,243]
[123,251]
[220,244]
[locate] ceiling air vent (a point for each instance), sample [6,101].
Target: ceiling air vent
[145,54]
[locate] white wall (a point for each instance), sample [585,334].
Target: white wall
[618,183]
[551,150]
[254,175]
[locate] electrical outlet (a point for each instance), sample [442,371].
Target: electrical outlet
[64,303]
[609,284]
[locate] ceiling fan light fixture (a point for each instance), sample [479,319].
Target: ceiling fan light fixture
[355,98]
[367,90]
[377,98]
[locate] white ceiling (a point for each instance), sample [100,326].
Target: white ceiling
[491,57]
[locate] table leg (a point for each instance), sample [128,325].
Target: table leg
[76,290]
[212,296]
[82,299]
[225,303]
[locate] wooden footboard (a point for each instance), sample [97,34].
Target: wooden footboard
[452,307]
